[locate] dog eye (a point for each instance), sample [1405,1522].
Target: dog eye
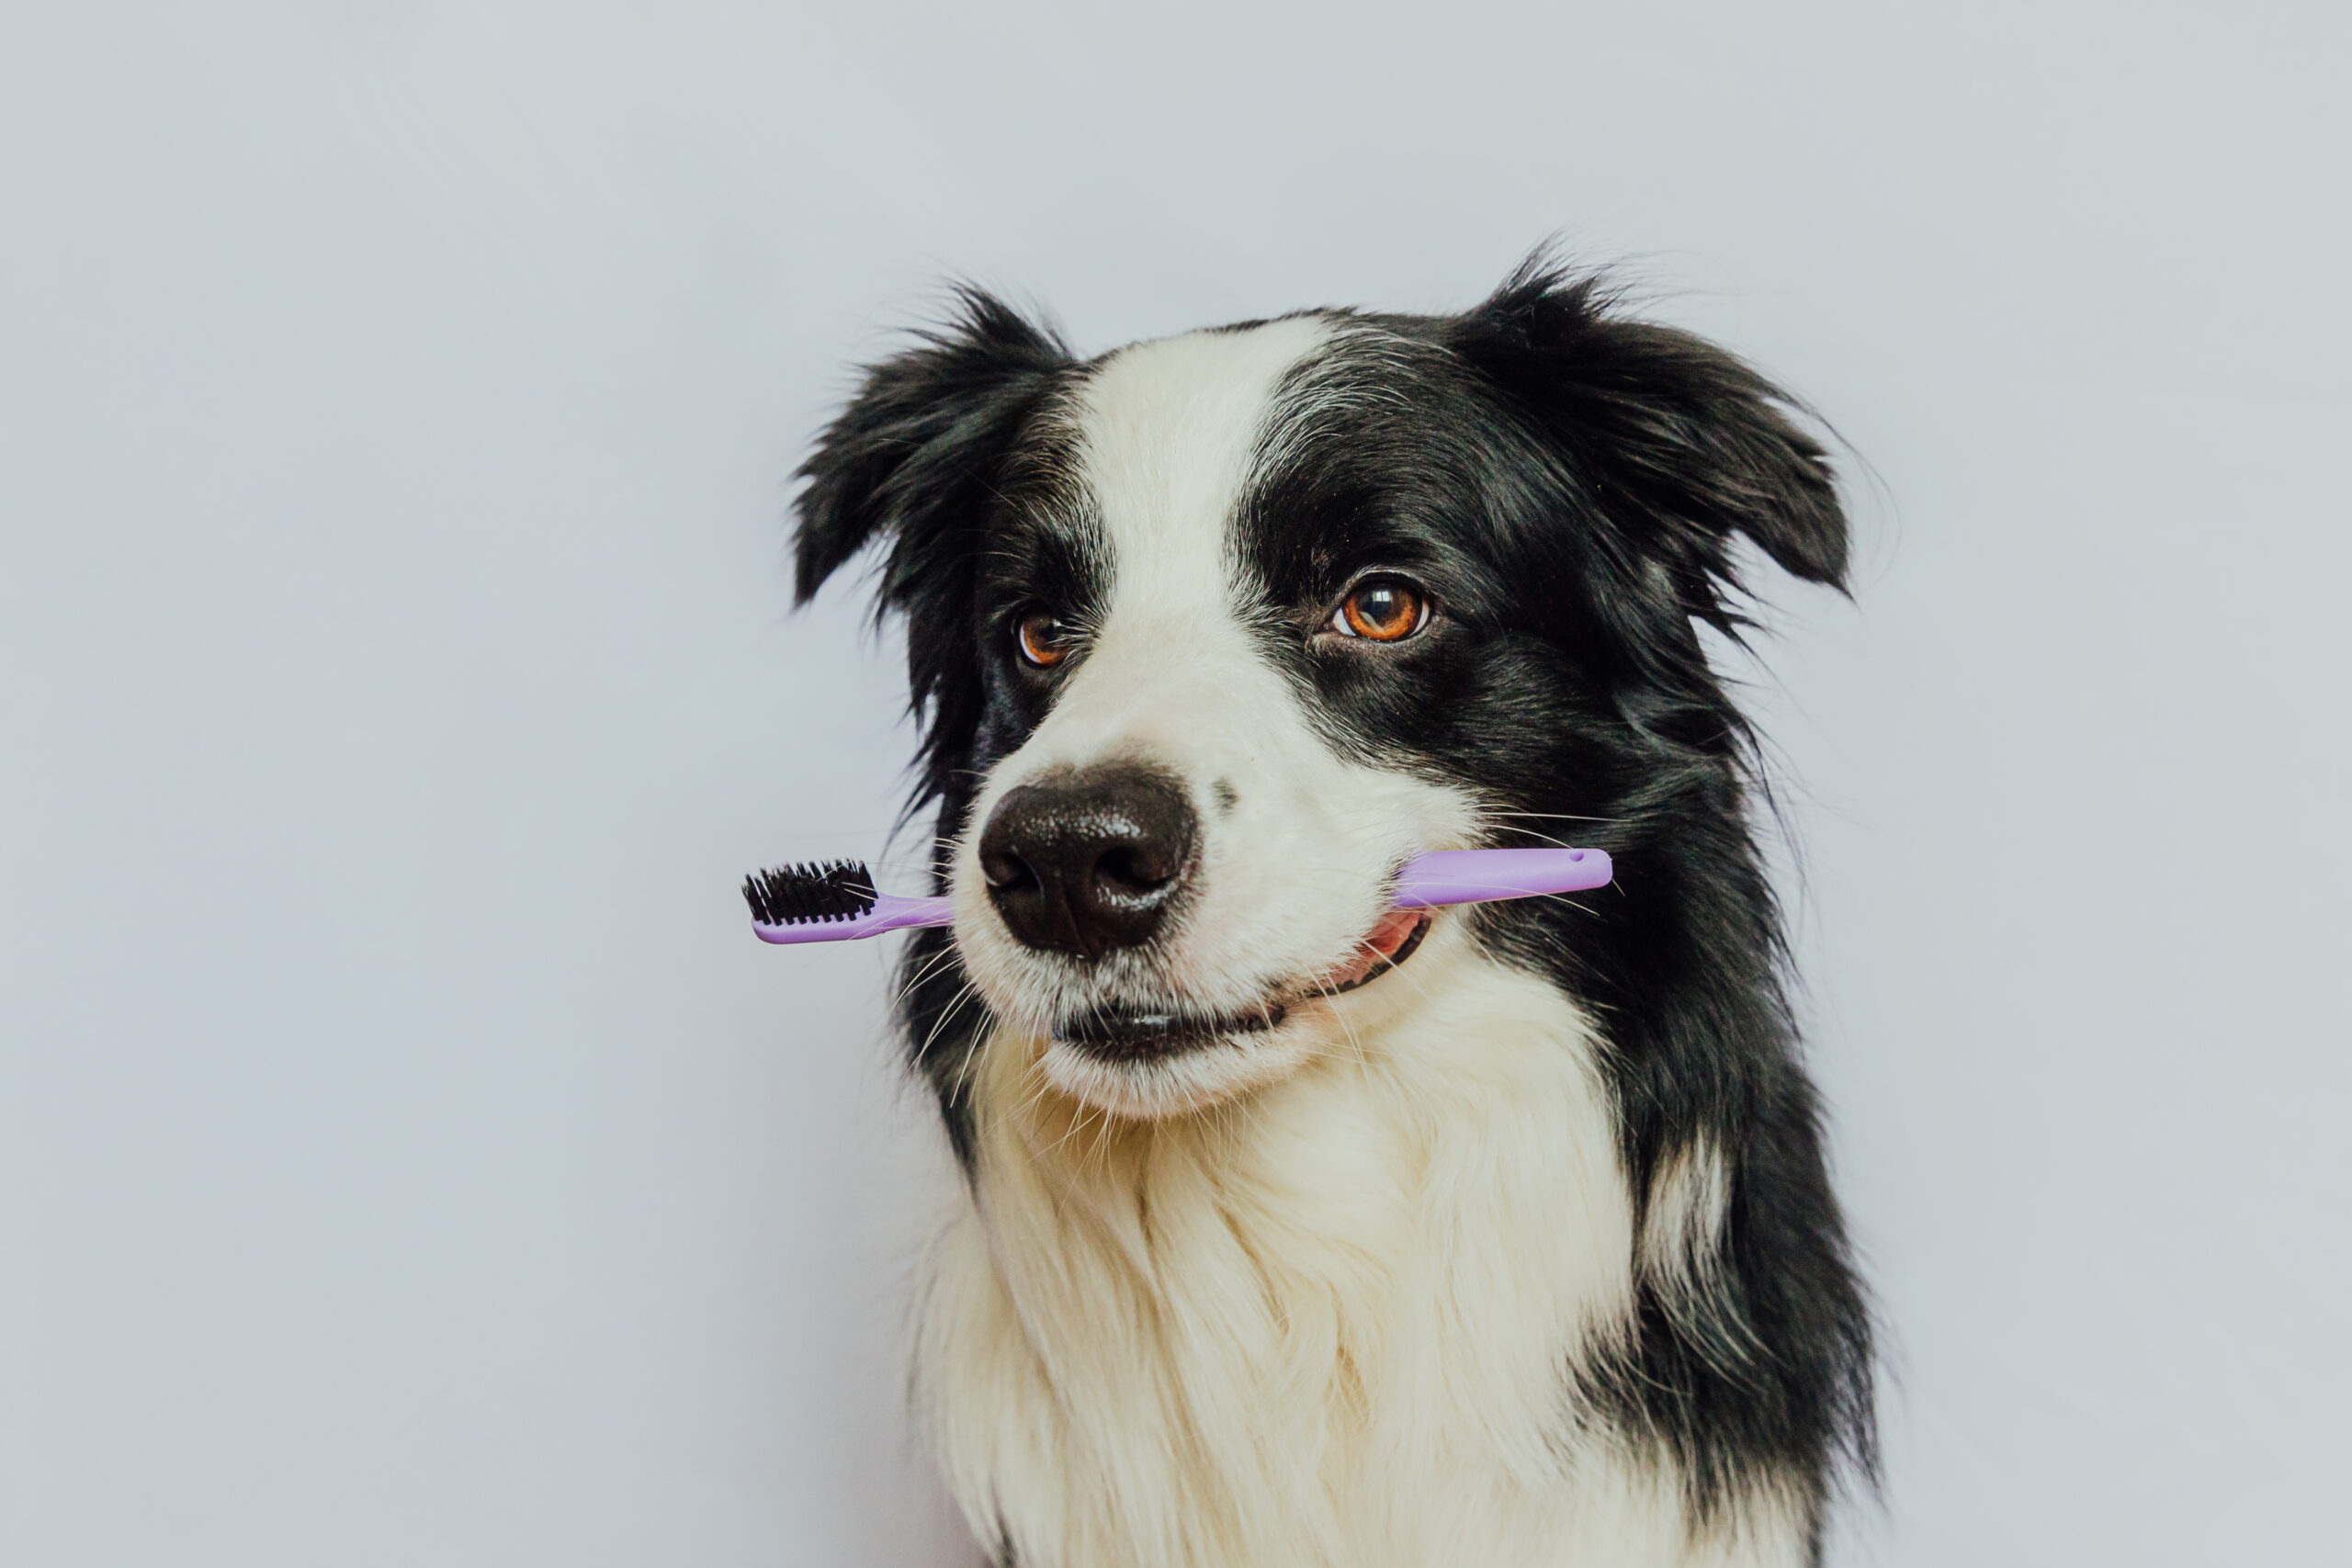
[1041,639]
[1382,609]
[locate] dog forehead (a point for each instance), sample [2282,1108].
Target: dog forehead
[1166,431]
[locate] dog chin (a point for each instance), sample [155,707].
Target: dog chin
[1152,1063]
[1208,1071]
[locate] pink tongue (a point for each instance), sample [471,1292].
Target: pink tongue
[1385,939]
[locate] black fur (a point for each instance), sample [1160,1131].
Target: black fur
[1569,482]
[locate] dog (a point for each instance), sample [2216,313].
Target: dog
[1293,1229]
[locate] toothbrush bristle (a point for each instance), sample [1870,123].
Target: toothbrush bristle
[796,894]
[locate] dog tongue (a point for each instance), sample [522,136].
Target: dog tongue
[1385,939]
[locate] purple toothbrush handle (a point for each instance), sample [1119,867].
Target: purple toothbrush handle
[1480,876]
[890,913]
[1427,881]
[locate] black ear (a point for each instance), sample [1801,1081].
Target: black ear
[915,455]
[917,459]
[1677,443]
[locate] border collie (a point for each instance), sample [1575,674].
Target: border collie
[1293,1230]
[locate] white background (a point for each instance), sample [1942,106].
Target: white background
[406,1156]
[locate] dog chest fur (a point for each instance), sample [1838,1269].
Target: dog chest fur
[1336,1324]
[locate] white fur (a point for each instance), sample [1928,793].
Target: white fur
[1313,1296]
[1683,1224]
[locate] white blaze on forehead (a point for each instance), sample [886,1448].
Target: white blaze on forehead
[1166,433]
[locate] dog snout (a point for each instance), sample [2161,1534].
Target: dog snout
[1090,861]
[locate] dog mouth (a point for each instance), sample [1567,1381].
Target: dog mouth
[1132,1034]
[1392,941]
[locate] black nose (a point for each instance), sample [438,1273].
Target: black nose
[1088,862]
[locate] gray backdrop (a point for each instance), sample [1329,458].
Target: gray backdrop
[406,1156]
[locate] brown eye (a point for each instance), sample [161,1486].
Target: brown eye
[1384,609]
[1043,640]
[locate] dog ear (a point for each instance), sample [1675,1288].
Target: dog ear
[1676,442]
[914,457]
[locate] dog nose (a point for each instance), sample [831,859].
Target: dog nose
[1090,861]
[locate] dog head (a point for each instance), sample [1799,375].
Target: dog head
[1211,635]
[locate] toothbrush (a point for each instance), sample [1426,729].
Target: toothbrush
[836,901]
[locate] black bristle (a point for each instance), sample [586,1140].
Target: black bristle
[795,894]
